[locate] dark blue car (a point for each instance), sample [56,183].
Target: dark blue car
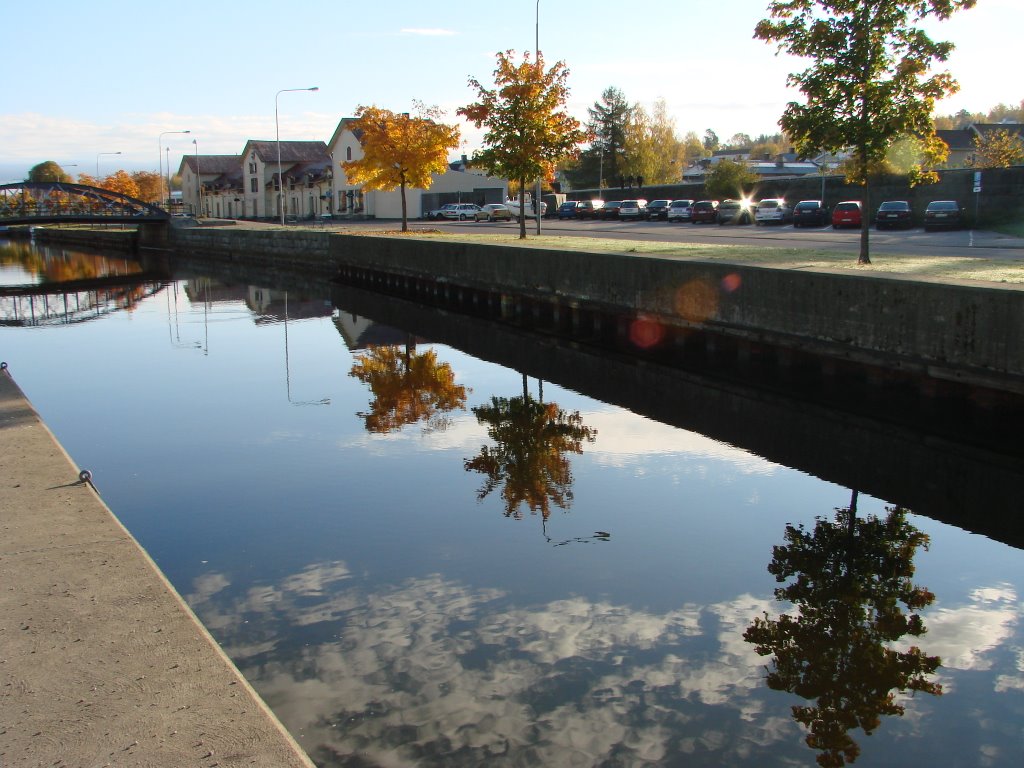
[567,210]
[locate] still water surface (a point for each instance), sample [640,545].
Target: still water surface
[421,558]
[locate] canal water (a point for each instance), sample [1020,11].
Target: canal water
[419,555]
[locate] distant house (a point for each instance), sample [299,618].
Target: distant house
[785,165]
[307,170]
[460,183]
[210,172]
[962,141]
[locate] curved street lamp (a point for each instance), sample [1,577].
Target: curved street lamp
[98,163]
[277,136]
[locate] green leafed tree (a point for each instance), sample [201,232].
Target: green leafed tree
[729,179]
[848,586]
[606,125]
[869,77]
[48,171]
[528,129]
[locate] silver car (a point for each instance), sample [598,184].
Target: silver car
[679,210]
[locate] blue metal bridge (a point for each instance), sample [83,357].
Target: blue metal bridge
[54,202]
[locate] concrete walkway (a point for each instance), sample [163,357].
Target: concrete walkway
[101,662]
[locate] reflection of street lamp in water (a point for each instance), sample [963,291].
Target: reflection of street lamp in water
[287,367]
[175,337]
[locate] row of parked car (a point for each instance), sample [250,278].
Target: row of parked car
[939,214]
[489,212]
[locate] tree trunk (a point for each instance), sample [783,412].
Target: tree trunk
[522,209]
[865,222]
[405,213]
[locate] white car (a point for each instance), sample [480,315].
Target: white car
[439,213]
[773,210]
[461,211]
[513,205]
[679,210]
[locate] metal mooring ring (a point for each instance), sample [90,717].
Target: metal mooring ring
[85,476]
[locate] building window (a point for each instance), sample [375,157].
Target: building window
[254,184]
[348,153]
[252,167]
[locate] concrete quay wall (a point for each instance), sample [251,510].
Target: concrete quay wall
[958,331]
[101,661]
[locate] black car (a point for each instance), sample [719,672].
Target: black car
[943,214]
[567,210]
[810,213]
[892,214]
[657,210]
[610,210]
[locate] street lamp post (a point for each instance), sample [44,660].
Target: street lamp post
[277,136]
[536,55]
[160,159]
[98,163]
[199,182]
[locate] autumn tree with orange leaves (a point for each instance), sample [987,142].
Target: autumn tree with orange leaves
[149,185]
[121,183]
[407,388]
[400,150]
[528,129]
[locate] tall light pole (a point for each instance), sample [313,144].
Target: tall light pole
[199,182]
[98,163]
[536,56]
[277,136]
[160,158]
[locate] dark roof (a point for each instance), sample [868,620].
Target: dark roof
[983,129]
[962,138]
[291,151]
[213,163]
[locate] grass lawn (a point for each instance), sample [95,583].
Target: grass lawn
[930,267]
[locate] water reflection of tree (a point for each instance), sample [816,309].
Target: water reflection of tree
[529,459]
[407,387]
[67,266]
[850,581]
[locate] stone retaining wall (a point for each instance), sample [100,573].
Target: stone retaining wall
[956,331]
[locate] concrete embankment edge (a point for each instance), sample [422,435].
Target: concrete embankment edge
[101,661]
[945,329]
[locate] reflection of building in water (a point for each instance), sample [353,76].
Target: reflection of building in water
[267,304]
[272,306]
[363,333]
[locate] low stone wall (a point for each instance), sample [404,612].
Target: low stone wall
[955,331]
[300,250]
[120,240]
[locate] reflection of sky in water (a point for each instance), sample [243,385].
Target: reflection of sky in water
[432,670]
[383,611]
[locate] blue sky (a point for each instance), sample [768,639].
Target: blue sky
[108,76]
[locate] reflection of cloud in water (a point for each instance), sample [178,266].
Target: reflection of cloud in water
[635,438]
[963,637]
[434,673]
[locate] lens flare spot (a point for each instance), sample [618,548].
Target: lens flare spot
[731,282]
[645,333]
[697,300]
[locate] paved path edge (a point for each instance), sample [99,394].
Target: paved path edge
[101,660]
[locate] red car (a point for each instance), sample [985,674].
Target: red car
[846,214]
[704,211]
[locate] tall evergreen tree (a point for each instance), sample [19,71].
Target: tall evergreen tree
[607,122]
